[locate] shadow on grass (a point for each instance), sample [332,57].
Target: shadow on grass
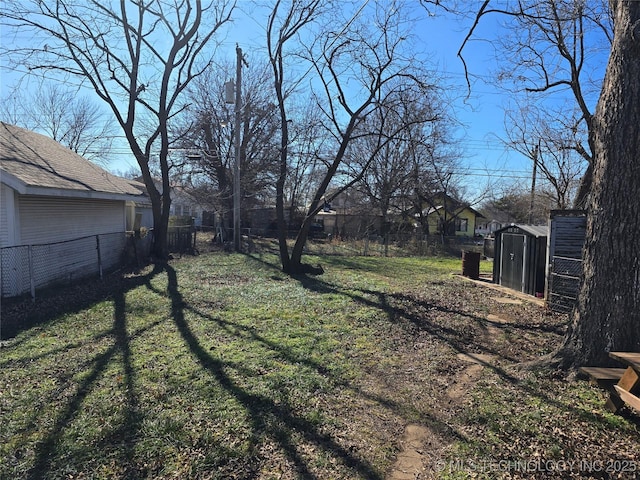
[420,315]
[123,437]
[284,424]
[413,313]
[268,418]
[21,314]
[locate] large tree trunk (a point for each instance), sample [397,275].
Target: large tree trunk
[282,176]
[607,315]
[160,203]
[296,265]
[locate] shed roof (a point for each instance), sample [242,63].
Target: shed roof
[534,230]
[35,164]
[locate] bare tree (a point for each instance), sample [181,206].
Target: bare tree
[206,134]
[138,57]
[309,149]
[513,204]
[394,169]
[438,184]
[550,47]
[355,71]
[283,25]
[72,120]
[551,142]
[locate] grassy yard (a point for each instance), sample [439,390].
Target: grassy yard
[219,366]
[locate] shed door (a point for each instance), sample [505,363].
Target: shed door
[512,261]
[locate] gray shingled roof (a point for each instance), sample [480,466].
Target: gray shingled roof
[37,163]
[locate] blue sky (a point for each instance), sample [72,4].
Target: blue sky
[440,35]
[479,111]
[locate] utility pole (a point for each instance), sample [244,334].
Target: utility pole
[237,237]
[536,152]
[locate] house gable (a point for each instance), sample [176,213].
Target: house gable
[49,193]
[460,219]
[33,164]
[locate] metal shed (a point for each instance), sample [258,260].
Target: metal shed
[521,258]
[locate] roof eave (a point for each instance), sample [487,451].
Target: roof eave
[13,182]
[85,194]
[22,188]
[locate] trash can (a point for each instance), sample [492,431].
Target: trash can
[471,264]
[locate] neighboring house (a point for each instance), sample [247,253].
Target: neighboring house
[183,203]
[50,195]
[492,221]
[451,217]
[487,227]
[348,215]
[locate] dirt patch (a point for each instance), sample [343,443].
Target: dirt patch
[464,381]
[507,300]
[467,378]
[482,359]
[420,446]
[498,319]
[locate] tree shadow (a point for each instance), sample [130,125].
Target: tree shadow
[417,315]
[288,355]
[276,420]
[124,436]
[22,314]
[268,418]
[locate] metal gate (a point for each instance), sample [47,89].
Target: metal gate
[512,261]
[567,234]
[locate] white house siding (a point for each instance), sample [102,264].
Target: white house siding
[11,267]
[52,219]
[60,239]
[144,210]
[7,216]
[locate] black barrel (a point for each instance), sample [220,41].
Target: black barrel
[471,264]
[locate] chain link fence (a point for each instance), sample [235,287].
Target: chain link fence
[564,283]
[392,245]
[27,268]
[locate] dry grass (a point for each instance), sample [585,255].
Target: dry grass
[220,366]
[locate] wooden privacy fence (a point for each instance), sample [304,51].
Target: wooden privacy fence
[181,239]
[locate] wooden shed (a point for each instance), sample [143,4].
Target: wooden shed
[521,258]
